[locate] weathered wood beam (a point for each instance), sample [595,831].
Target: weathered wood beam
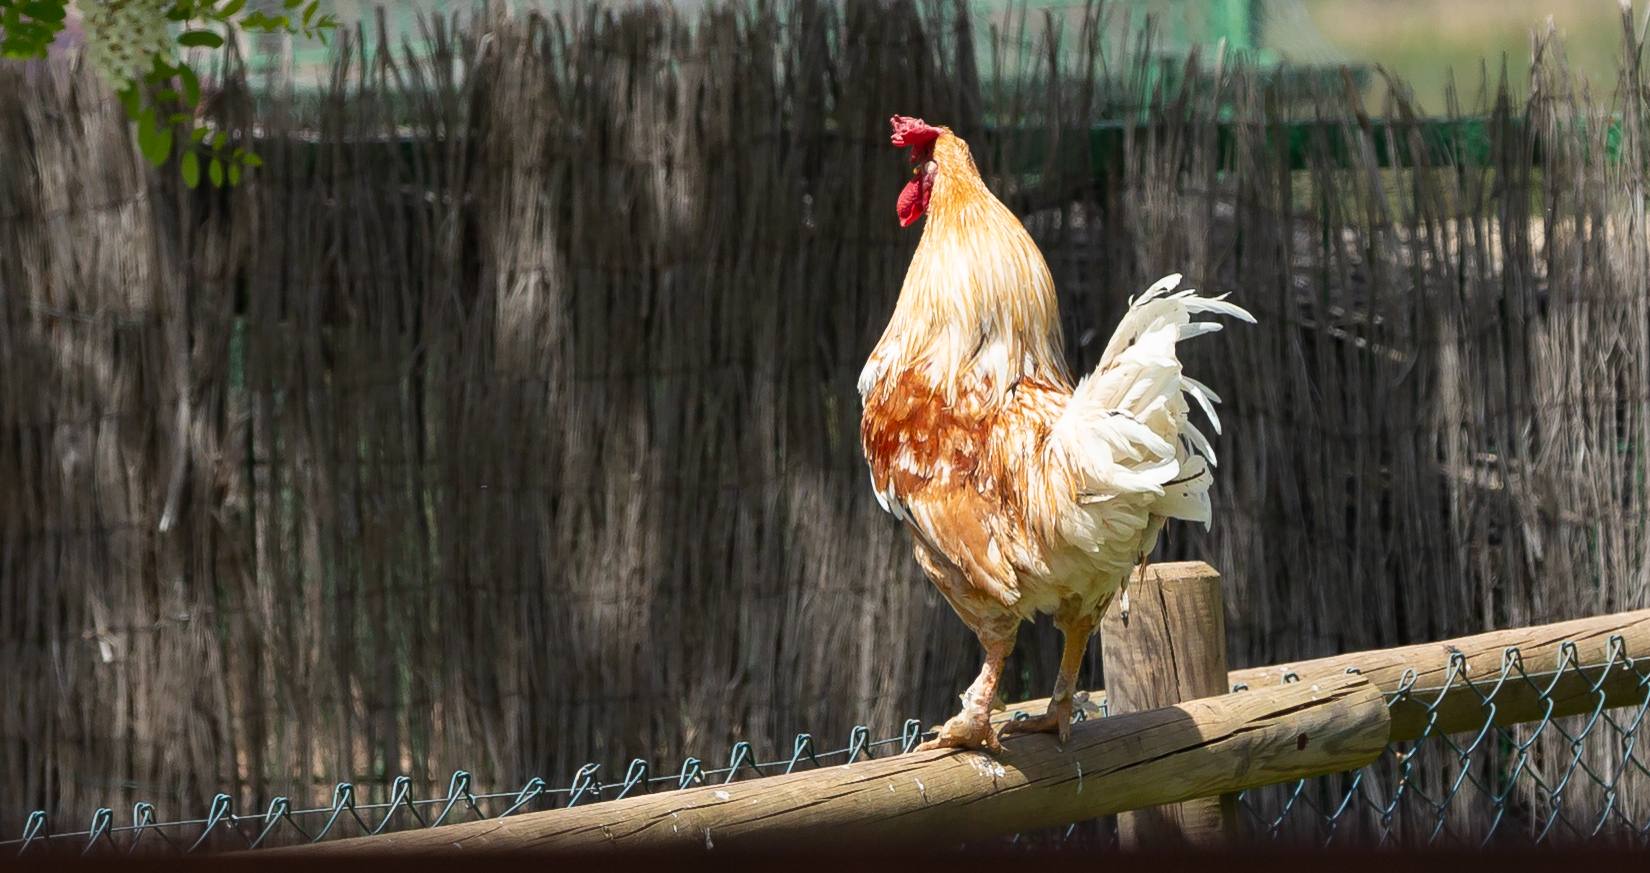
[1458,706]
[1195,749]
[1170,647]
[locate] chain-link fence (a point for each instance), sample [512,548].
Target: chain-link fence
[1563,776]
[1552,779]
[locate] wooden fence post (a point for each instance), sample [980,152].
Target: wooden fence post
[1171,648]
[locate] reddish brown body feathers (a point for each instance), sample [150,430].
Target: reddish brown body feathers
[953,472]
[913,439]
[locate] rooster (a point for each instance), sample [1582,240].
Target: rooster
[1023,494]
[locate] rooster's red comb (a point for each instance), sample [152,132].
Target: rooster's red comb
[910,131]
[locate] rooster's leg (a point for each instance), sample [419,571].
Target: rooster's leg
[971,728]
[1057,719]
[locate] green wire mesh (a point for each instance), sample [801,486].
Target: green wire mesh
[1566,779]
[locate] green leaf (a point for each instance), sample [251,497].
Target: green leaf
[130,99]
[198,134]
[24,38]
[200,38]
[160,72]
[41,10]
[191,85]
[219,141]
[258,21]
[252,160]
[234,174]
[229,9]
[214,170]
[191,168]
[293,4]
[154,142]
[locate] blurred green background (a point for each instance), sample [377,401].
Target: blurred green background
[1421,41]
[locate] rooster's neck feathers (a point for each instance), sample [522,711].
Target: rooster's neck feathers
[977,307]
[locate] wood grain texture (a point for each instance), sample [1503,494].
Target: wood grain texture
[1195,749]
[1171,647]
[1459,707]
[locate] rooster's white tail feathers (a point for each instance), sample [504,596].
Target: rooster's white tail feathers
[1126,428]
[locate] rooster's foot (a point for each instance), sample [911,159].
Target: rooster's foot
[965,731]
[1057,720]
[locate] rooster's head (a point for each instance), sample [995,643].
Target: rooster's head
[919,136]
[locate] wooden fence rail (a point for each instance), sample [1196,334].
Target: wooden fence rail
[1291,721]
[1560,665]
[1196,749]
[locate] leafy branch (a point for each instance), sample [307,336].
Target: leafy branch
[135,46]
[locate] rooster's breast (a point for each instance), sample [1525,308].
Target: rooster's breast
[916,439]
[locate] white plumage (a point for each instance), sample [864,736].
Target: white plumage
[1126,430]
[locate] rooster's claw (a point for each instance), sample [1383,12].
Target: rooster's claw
[964,731]
[1057,720]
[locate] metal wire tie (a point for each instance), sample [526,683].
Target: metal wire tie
[634,776]
[804,743]
[343,796]
[740,755]
[533,788]
[584,782]
[221,805]
[279,806]
[143,816]
[459,784]
[101,819]
[31,830]
[910,733]
[690,773]
[857,740]
[400,790]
